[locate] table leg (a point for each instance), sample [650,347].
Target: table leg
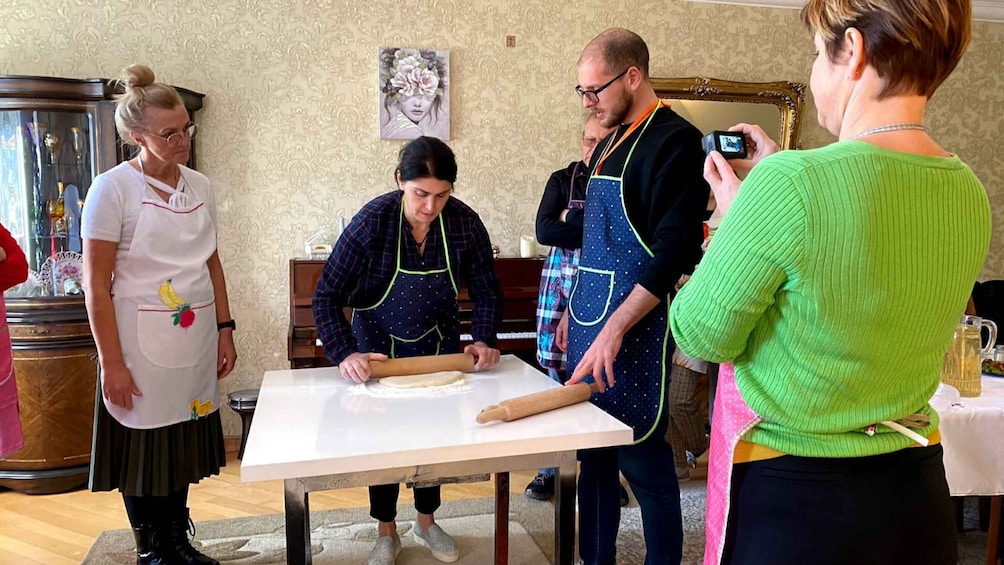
[297,524]
[502,518]
[564,509]
[994,531]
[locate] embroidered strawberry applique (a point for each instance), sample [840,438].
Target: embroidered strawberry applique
[184,316]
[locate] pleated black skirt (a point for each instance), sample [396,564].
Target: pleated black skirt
[154,462]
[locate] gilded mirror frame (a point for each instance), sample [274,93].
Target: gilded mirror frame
[789,97]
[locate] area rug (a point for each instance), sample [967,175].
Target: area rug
[345,537]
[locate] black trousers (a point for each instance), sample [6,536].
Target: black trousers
[880,510]
[383,501]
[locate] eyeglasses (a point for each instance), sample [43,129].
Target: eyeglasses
[589,141]
[593,96]
[175,139]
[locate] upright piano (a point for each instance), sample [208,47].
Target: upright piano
[519,279]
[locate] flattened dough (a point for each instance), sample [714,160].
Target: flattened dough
[423,380]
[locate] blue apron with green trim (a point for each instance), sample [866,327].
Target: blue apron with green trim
[417,315]
[613,259]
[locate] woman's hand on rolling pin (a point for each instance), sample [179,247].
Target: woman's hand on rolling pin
[484,357]
[117,385]
[356,367]
[561,333]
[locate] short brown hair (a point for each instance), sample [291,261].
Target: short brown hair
[141,92]
[913,44]
[619,49]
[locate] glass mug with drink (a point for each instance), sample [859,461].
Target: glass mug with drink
[962,368]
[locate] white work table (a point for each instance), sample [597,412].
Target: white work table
[316,431]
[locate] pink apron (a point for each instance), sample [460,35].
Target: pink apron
[11,439]
[733,418]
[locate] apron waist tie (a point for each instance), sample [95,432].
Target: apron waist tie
[903,426]
[748,452]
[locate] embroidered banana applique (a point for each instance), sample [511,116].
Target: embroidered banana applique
[184,315]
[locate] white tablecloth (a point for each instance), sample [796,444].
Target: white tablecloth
[972,434]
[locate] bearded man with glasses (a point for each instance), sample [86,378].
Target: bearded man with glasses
[642,230]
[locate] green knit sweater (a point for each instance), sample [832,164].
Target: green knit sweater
[834,284]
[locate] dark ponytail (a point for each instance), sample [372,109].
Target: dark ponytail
[426,157]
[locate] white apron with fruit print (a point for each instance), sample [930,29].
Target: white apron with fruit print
[165,311]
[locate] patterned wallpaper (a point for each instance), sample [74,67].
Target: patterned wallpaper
[290,136]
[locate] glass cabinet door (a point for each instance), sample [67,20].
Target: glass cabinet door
[46,166]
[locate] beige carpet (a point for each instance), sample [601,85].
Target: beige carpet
[344,537]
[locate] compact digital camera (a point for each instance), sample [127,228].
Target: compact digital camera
[731,144]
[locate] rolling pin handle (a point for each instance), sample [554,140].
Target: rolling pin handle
[491,413]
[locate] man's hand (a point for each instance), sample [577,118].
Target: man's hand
[599,358]
[356,367]
[485,357]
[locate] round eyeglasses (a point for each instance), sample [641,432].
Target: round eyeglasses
[176,138]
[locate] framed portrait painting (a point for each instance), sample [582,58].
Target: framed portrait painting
[414,93]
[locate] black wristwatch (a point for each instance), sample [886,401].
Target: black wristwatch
[228,324]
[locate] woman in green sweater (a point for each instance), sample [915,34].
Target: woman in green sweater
[833,285]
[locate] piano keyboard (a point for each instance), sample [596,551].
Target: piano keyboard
[504,335]
[500,336]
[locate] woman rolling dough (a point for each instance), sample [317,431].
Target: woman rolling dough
[399,265]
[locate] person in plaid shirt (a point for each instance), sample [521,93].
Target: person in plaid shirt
[398,265]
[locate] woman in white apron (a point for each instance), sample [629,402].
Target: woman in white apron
[399,265]
[832,288]
[158,309]
[13,271]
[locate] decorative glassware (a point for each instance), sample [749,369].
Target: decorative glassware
[79,143]
[53,142]
[57,213]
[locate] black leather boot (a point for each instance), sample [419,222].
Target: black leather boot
[148,540]
[178,543]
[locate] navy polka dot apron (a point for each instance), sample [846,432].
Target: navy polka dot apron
[417,315]
[613,259]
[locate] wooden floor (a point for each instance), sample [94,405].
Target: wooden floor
[60,528]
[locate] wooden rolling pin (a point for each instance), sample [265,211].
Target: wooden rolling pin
[424,364]
[536,403]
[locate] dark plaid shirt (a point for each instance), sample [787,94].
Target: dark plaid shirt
[363,263]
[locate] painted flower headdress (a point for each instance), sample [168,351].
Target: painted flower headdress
[411,72]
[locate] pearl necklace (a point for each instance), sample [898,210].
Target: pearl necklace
[890,127]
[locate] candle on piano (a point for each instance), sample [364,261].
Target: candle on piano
[527,246]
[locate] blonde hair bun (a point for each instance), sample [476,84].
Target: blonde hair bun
[137,76]
[141,92]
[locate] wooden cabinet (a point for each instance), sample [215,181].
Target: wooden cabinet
[56,367]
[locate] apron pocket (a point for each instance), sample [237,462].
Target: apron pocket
[592,282]
[428,343]
[177,339]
